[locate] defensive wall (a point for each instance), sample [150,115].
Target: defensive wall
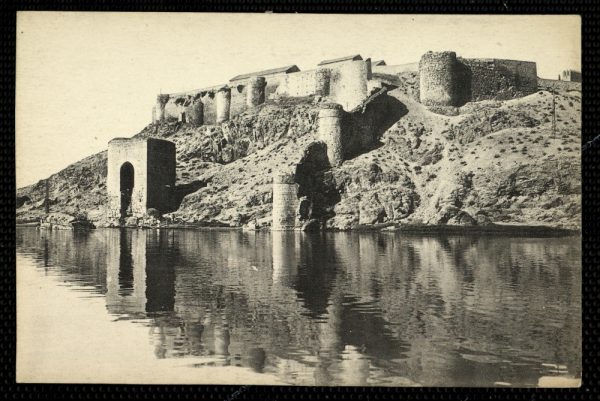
[355,111]
[448,80]
[344,82]
[444,80]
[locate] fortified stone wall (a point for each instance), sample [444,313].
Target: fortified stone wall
[299,84]
[273,82]
[210,107]
[446,80]
[201,106]
[500,79]
[345,83]
[395,69]
[194,112]
[348,83]
[238,98]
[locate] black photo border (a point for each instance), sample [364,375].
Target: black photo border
[587,9]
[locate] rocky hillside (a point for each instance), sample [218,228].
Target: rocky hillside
[492,162]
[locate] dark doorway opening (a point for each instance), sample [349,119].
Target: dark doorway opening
[126,188]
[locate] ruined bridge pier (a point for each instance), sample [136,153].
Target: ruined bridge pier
[285,201]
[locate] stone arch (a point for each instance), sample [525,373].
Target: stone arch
[140,175]
[126,185]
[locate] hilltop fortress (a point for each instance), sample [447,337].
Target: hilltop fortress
[354,111]
[445,80]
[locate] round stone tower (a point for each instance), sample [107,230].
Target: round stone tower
[330,132]
[159,108]
[223,100]
[322,77]
[349,81]
[437,72]
[255,91]
[285,201]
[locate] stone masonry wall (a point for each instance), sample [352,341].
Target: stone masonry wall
[446,80]
[210,108]
[299,84]
[121,151]
[500,79]
[238,98]
[348,83]
[153,162]
[437,79]
[161,174]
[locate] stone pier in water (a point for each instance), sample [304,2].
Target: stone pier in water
[285,202]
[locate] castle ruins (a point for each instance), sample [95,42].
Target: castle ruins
[141,173]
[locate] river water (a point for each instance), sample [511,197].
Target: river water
[184,306]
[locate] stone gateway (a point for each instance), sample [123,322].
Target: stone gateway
[141,175]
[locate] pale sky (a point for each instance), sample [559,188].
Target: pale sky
[85,78]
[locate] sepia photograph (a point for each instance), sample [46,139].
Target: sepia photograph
[299,199]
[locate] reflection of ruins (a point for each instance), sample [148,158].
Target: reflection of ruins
[338,308]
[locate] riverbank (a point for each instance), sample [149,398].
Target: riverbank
[408,229]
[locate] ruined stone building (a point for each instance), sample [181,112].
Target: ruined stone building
[141,174]
[570,75]
[354,110]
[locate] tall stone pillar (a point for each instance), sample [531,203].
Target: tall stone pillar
[255,91]
[330,132]
[223,100]
[159,108]
[285,201]
[323,76]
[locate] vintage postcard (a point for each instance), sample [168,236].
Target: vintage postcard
[323,200]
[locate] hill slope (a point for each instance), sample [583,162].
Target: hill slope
[493,162]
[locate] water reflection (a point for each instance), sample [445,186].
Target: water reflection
[343,308]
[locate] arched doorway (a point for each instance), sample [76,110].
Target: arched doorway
[126,187]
